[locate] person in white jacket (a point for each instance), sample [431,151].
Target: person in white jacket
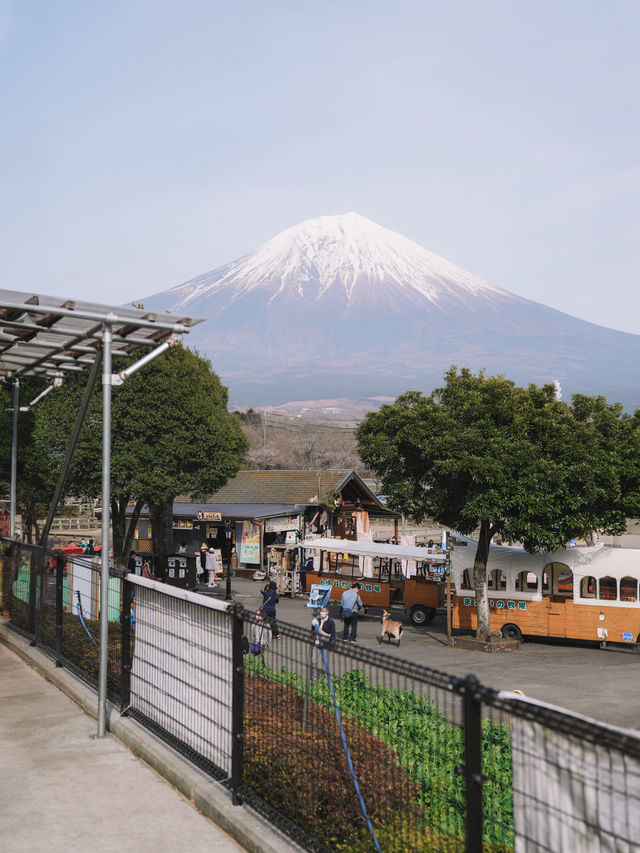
[211,564]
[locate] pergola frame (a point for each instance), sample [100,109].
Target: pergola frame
[52,336]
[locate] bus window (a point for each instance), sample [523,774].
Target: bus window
[629,589]
[497,580]
[608,589]
[588,588]
[466,579]
[527,582]
[564,583]
[545,582]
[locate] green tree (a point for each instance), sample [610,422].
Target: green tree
[171,435]
[483,453]
[35,471]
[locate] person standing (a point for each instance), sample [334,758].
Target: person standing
[260,636]
[270,598]
[325,629]
[211,565]
[351,604]
[201,561]
[131,563]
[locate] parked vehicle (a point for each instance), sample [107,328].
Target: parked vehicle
[397,578]
[579,593]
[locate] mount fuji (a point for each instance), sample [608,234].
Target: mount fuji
[341,307]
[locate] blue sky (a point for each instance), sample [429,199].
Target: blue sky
[144,143]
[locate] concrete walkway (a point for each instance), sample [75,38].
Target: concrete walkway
[63,789]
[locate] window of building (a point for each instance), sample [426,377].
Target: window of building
[466,579]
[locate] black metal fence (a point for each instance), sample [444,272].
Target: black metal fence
[346,750]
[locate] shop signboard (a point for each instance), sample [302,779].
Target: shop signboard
[282,523]
[208,516]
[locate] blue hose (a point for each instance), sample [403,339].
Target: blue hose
[346,747]
[81,615]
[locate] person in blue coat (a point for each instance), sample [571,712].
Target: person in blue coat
[269,600]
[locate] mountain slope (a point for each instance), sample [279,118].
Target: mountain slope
[339,306]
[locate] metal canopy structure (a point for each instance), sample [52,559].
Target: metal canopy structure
[52,337]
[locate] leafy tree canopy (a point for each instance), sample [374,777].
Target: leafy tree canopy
[481,452]
[171,433]
[35,471]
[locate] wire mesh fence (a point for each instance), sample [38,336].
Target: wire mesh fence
[343,748]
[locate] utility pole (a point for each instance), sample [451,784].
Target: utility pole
[264,431]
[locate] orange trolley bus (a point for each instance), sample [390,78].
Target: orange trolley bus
[398,578]
[579,593]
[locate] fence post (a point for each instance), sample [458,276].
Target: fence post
[473,763]
[237,702]
[125,665]
[33,592]
[59,574]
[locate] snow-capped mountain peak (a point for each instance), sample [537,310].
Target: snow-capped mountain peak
[347,256]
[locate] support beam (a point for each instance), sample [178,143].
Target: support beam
[106,524]
[14,457]
[84,405]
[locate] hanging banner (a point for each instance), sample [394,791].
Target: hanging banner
[250,544]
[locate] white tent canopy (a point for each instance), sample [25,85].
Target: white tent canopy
[376,549]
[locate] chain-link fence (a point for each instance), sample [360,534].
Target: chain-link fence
[344,748]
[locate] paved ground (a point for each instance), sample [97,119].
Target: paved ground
[62,789]
[599,683]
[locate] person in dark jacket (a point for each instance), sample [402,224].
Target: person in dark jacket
[270,598]
[325,631]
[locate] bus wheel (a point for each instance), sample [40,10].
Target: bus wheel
[512,632]
[421,615]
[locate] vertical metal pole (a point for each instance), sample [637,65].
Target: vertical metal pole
[473,763]
[237,708]
[307,681]
[34,562]
[125,619]
[59,605]
[227,533]
[106,524]
[449,605]
[14,457]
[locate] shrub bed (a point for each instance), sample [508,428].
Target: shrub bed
[417,738]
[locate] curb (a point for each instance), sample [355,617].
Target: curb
[247,827]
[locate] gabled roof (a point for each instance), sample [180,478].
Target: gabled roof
[293,487]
